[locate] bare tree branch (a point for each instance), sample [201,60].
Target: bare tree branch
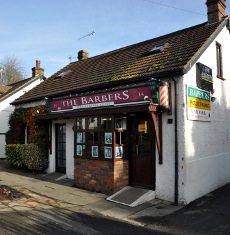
[11,70]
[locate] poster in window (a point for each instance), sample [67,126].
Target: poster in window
[108,152]
[118,123]
[119,152]
[108,138]
[79,137]
[79,150]
[94,151]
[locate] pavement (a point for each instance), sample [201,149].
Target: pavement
[21,191]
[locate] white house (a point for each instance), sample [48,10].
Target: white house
[12,92]
[170,98]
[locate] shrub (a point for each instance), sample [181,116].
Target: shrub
[30,156]
[34,158]
[13,155]
[16,132]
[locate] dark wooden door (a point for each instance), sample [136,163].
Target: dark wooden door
[142,162]
[60,148]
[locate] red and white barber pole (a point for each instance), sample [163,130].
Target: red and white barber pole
[164,95]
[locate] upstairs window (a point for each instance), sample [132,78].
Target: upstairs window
[219,61]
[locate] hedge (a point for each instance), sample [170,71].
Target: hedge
[30,156]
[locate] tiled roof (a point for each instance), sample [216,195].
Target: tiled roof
[128,64]
[14,87]
[4,89]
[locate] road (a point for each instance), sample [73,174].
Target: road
[62,221]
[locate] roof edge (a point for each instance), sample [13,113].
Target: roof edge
[19,88]
[197,55]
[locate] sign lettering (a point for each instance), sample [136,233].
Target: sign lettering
[198,104]
[100,100]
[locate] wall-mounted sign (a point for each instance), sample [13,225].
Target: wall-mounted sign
[106,99]
[204,77]
[198,104]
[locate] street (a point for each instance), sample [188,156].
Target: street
[35,204]
[62,221]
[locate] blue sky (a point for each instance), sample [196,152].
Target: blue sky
[49,30]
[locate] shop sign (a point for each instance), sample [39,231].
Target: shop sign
[198,104]
[111,98]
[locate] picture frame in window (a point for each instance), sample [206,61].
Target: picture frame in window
[79,150]
[108,137]
[108,152]
[119,151]
[79,137]
[94,151]
[118,123]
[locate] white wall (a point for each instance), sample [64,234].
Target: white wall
[165,174]
[207,144]
[6,109]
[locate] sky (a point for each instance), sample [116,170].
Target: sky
[52,31]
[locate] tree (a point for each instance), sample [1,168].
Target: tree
[11,70]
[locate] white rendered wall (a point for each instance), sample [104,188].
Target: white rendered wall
[165,173]
[207,144]
[69,148]
[6,109]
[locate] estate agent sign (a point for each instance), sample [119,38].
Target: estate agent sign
[198,104]
[204,77]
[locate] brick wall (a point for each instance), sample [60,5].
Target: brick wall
[101,176]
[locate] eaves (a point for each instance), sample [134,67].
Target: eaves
[208,42]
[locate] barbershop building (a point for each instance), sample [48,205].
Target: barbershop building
[151,115]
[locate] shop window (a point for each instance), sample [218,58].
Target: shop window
[219,60]
[121,137]
[100,137]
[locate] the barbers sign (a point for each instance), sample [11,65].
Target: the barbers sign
[198,104]
[110,98]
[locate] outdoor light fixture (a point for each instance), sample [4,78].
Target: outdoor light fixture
[154,87]
[213,99]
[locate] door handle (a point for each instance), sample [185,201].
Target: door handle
[136,149]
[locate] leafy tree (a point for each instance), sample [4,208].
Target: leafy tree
[11,70]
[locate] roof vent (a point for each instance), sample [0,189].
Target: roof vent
[62,74]
[158,48]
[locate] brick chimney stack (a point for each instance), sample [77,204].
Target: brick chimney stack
[37,71]
[83,55]
[216,9]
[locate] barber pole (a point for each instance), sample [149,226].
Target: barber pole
[164,95]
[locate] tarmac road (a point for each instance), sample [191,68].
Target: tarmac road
[44,206]
[65,222]
[209,215]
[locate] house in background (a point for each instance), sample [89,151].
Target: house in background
[153,115]
[9,93]
[4,89]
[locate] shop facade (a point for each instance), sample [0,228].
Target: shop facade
[113,142]
[110,126]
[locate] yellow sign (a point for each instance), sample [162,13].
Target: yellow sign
[198,103]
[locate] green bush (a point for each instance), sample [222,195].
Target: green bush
[30,156]
[13,155]
[16,132]
[34,158]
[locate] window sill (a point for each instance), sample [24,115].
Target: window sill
[221,78]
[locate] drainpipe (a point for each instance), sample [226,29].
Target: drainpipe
[176,147]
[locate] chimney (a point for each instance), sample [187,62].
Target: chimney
[216,9]
[82,55]
[37,71]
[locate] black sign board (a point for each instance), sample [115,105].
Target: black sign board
[204,77]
